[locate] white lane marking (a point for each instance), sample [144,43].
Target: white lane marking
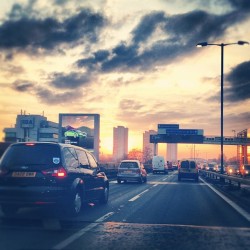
[81,232]
[138,195]
[155,185]
[241,211]
[174,183]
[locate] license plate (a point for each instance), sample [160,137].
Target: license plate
[23,174]
[127,171]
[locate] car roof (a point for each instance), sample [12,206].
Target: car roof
[61,145]
[130,161]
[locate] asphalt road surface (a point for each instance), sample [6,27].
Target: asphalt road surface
[160,214]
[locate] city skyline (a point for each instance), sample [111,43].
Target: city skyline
[120,140]
[135,65]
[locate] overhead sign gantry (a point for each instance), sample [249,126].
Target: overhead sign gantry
[171,133]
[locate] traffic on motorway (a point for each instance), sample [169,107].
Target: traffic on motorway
[57,196]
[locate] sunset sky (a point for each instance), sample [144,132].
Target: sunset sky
[133,62]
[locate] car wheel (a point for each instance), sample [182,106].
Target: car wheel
[105,195]
[9,210]
[119,181]
[75,203]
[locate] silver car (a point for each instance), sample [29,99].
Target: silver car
[131,170]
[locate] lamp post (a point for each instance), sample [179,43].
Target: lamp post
[222,45]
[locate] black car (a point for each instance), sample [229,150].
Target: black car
[47,173]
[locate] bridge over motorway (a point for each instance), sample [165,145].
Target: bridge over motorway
[171,133]
[198,139]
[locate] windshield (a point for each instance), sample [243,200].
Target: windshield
[147,103]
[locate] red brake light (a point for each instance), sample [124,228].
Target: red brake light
[55,172]
[29,144]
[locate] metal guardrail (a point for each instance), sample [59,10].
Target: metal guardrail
[230,178]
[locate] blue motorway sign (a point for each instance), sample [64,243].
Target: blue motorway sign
[185,131]
[168,126]
[176,138]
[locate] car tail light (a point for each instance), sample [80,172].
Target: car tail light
[55,172]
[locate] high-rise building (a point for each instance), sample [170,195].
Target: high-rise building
[120,143]
[172,152]
[148,148]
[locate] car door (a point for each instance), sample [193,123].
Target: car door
[88,174]
[98,183]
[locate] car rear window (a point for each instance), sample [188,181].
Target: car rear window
[129,165]
[43,155]
[185,164]
[192,164]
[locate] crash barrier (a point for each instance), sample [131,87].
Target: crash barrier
[224,177]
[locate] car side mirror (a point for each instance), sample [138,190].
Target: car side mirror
[102,169]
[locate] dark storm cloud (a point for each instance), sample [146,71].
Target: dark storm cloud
[148,25]
[49,32]
[69,81]
[179,35]
[47,95]
[52,97]
[239,80]
[240,4]
[22,86]
[92,62]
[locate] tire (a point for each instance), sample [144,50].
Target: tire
[104,196]
[119,181]
[9,210]
[75,203]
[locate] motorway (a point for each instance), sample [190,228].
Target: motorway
[160,214]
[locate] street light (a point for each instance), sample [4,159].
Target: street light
[222,45]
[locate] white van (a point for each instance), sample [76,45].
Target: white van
[158,165]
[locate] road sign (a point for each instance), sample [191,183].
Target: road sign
[169,126]
[176,138]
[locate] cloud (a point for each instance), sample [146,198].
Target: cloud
[22,85]
[51,97]
[242,5]
[69,81]
[46,95]
[158,39]
[239,80]
[178,36]
[30,33]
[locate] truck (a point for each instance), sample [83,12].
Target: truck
[158,165]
